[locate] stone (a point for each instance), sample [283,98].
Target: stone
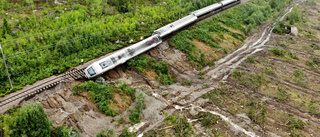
[294,31]
[193,112]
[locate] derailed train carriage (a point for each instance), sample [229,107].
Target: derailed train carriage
[120,57]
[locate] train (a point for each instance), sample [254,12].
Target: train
[119,57]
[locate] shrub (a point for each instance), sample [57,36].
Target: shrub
[257,112]
[207,119]
[105,133]
[278,52]
[293,55]
[295,15]
[282,94]
[30,120]
[182,127]
[165,79]
[295,123]
[140,102]
[63,131]
[121,120]
[186,82]
[126,133]
[282,29]
[251,60]
[135,117]
[315,46]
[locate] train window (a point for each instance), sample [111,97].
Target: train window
[106,63]
[131,51]
[91,71]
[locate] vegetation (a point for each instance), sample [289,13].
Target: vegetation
[295,16]
[216,96]
[102,94]
[282,94]
[282,29]
[278,52]
[105,133]
[207,119]
[126,133]
[314,63]
[30,120]
[56,37]
[67,132]
[143,63]
[180,125]
[257,112]
[252,60]
[186,82]
[139,106]
[300,78]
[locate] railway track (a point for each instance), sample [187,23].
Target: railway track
[68,76]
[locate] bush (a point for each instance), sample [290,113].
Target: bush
[282,29]
[126,133]
[135,117]
[30,120]
[282,94]
[140,102]
[278,52]
[295,123]
[251,60]
[257,112]
[182,127]
[295,15]
[207,119]
[63,131]
[315,46]
[105,133]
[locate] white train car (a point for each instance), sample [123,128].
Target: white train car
[125,54]
[120,57]
[174,26]
[207,9]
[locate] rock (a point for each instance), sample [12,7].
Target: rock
[113,74]
[294,31]
[154,83]
[193,112]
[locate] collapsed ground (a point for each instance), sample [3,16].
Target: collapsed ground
[268,88]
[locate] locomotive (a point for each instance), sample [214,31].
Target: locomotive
[123,55]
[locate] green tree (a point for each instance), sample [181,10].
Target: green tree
[31,120]
[6,28]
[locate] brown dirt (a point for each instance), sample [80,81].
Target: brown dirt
[151,75]
[120,102]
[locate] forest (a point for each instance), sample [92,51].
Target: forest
[41,38]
